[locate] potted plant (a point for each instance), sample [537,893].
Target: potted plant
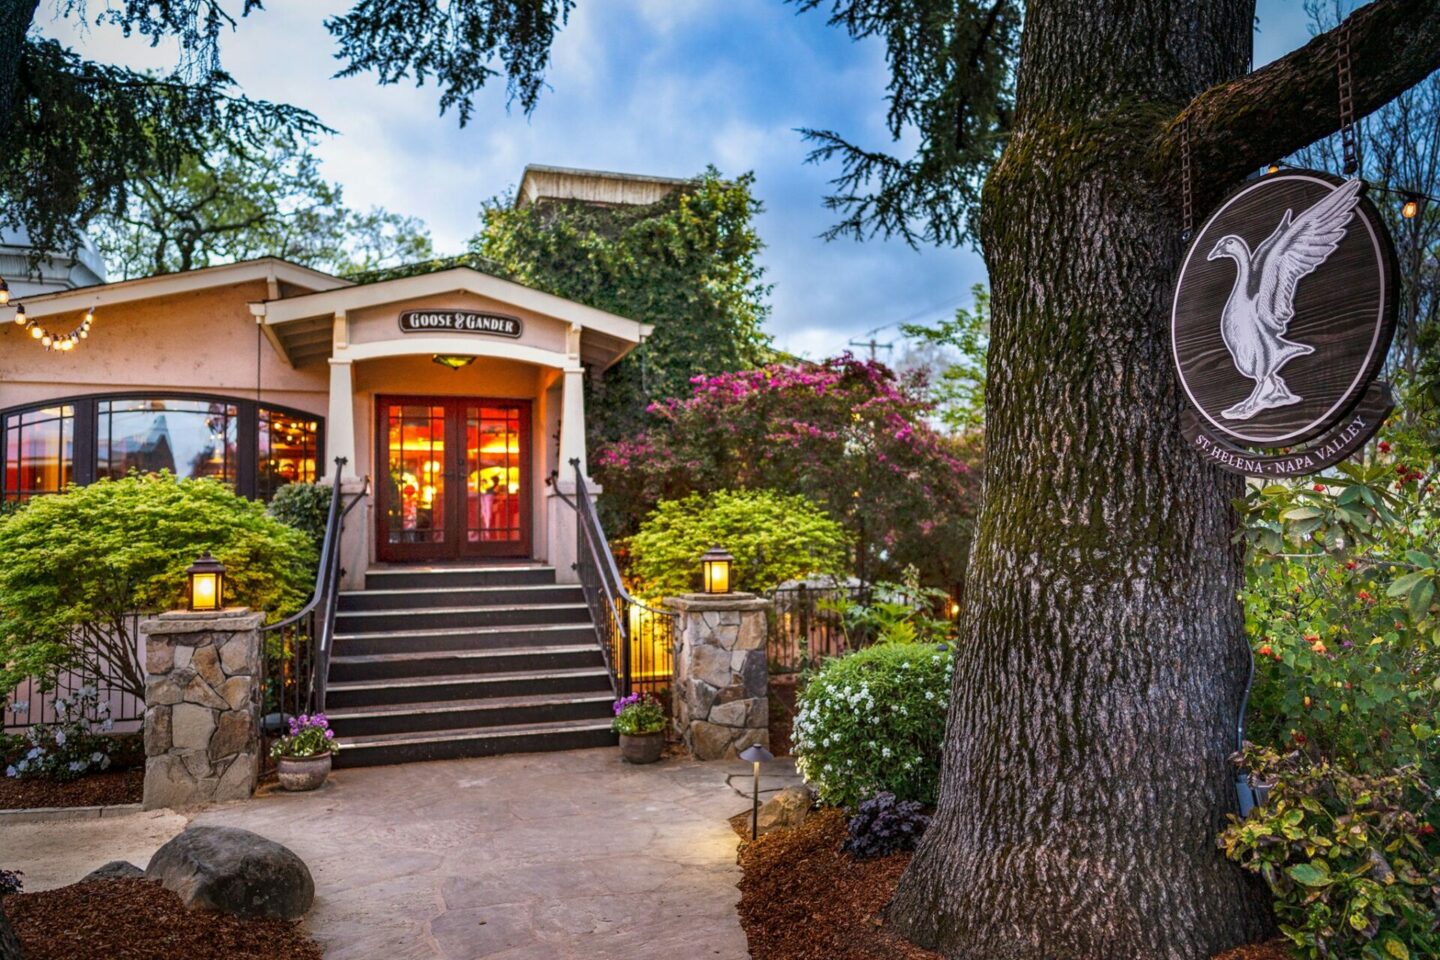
[304,753]
[640,721]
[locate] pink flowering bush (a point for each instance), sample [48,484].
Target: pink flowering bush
[846,433]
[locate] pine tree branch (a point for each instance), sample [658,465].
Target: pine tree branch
[1237,127]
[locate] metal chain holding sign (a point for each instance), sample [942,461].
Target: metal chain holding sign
[1188,200]
[1348,137]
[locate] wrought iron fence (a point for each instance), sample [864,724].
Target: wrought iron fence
[636,639]
[806,625]
[296,650]
[33,701]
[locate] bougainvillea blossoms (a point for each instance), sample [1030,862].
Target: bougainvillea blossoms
[846,433]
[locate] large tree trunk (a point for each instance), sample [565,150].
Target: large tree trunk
[1102,654]
[1102,651]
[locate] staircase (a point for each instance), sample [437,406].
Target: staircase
[441,662]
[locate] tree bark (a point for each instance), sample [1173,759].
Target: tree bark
[1102,654]
[15,19]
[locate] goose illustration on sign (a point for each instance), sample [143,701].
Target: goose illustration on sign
[1281,322]
[1262,301]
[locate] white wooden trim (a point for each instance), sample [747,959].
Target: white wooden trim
[454,280]
[467,346]
[172,284]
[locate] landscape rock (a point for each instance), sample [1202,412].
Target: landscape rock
[114,870]
[787,809]
[234,871]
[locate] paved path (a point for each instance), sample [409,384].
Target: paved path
[548,856]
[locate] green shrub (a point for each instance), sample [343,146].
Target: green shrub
[895,613]
[1352,860]
[304,506]
[873,721]
[76,564]
[773,538]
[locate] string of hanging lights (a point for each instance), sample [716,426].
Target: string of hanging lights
[62,342]
[1411,201]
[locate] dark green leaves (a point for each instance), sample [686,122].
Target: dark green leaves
[455,42]
[951,88]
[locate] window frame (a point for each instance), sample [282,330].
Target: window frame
[86,442]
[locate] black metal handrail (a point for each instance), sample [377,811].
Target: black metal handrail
[297,649]
[627,629]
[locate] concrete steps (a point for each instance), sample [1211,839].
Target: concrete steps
[436,663]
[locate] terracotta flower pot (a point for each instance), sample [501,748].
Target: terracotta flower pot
[304,773]
[642,748]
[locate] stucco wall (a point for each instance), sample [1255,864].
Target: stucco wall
[205,341]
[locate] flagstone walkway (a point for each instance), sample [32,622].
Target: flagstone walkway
[529,857]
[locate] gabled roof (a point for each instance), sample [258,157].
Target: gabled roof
[300,326]
[169,284]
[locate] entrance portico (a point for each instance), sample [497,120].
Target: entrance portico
[461,396]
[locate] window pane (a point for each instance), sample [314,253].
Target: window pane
[287,451]
[39,451]
[189,438]
[415,441]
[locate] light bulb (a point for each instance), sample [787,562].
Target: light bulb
[36,332]
[89,318]
[1273,168]
[45,340]
[1411,209]
[20,313]
[84,334]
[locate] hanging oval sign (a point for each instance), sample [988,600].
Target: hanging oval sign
[1284,312]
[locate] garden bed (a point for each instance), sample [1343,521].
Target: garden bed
[141,920]
[123,782]
[801,898]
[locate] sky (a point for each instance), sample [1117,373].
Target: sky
[660,87]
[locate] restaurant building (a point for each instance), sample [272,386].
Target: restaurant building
[457,393]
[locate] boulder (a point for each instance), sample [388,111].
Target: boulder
[114,870]
[788,808]
[9,943]
[234,871]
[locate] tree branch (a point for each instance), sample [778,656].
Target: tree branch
[1237,127]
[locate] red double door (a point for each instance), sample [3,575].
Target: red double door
[455,478]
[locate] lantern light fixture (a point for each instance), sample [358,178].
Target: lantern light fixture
[452,361]
[756,754]
[205,583]
[715,569]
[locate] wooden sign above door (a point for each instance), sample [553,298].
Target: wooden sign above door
[1284,311]
[460,321]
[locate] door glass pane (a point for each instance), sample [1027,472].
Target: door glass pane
[416,443]
[189,438]
[39,451]
[492,474]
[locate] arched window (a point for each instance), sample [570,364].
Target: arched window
[255,447]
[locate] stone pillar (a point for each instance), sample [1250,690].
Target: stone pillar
[203,693]
[720,691]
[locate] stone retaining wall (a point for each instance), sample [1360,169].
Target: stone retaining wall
[203,678]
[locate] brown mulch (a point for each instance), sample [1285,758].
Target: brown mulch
[782,713]
[141,920]
[98,789]
[801,898]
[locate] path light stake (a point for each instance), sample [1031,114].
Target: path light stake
[757,755]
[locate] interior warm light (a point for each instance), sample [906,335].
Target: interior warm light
[715,570]
[452,361]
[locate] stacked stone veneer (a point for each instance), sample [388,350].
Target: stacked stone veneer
[202,707]
[721,684]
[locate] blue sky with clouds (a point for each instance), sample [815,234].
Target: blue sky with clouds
[643,86]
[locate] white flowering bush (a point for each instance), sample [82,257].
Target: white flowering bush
[873,721]
[70,747]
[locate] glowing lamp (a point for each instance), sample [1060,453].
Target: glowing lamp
[756,754]
[715,569]
[4,292]
[1273,168]
[206,582]
[1411,209]
[20,313]
[453,361]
